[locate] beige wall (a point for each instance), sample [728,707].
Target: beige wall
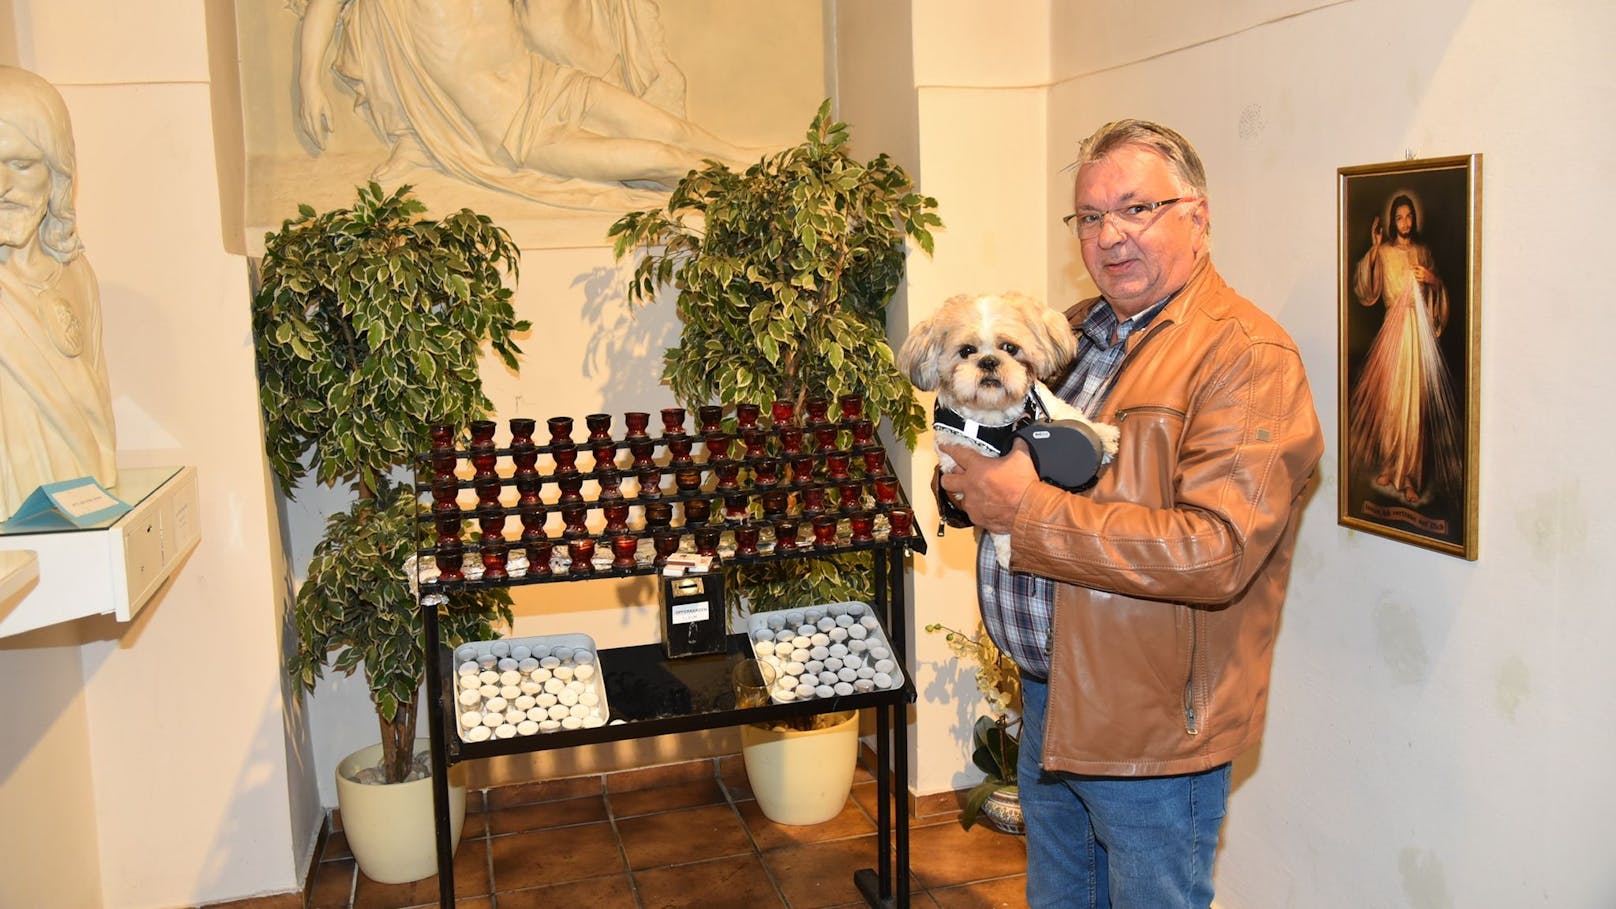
[1433,736]
[176,728]
[1436,725]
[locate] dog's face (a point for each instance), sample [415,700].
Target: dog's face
[982,354]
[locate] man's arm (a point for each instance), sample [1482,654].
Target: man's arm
[1251,443]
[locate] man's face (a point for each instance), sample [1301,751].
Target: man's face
[24,188]
[1140,265]
[1403,222]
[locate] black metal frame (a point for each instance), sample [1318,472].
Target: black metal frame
[627,671]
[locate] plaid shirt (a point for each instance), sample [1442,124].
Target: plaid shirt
[1015,606]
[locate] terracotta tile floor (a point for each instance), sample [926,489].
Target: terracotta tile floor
[683,835]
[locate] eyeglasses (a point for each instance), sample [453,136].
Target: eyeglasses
[1129,218]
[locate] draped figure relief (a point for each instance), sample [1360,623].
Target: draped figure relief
[560,101]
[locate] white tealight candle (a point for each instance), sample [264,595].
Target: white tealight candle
[510,692]
[471,718]
[584,672]
[470,699]
[521,651]
[492,719]
[548,725]
[480,734]
[496,705]
[508,664]
[489,677]
[524,703]
[504,731]
[466,652]
[527,727]
[572,722]
[500,649]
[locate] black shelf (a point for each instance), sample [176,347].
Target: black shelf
[649,694]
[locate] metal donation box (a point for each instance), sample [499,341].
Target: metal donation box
[693,617]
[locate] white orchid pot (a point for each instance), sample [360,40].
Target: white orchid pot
[801,778]
[390,827]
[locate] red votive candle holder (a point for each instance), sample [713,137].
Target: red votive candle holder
[886,489]
[560,430]
[623,549]
[697,511]
[785,535]
[707,541]
[673,421]
[746,540]
[665,543]
[582,555]
[824,531]
[709,416]
[538,558]
[863,524]
[901,522]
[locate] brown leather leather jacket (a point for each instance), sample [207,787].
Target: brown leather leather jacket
[1174,566]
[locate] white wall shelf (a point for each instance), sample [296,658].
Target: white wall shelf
[114,568]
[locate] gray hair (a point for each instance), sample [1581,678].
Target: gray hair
[1176,150]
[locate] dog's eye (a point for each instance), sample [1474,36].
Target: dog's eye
[1010,349]
[966,351]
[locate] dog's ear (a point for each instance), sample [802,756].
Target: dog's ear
[917,358]
[1057,341]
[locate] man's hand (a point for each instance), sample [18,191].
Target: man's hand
[989,489]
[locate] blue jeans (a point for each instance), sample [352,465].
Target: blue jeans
[1115,842]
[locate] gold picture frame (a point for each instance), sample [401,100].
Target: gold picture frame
[1409,335]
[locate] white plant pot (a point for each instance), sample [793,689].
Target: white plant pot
[801,778]
[390,828]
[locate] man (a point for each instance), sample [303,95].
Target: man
[1143,611]
[1403,414]
[55,407]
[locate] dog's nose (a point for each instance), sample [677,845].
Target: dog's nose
[988,364]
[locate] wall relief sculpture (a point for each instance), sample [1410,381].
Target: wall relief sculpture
[55,406]
[557,111]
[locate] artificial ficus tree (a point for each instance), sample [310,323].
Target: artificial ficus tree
[784,273]
[369,324]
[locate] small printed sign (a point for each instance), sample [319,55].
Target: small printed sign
[684,613]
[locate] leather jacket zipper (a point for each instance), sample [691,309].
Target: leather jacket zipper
[1192,722]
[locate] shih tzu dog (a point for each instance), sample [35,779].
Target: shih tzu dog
[984,356]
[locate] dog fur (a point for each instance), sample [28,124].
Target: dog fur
[985,356]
